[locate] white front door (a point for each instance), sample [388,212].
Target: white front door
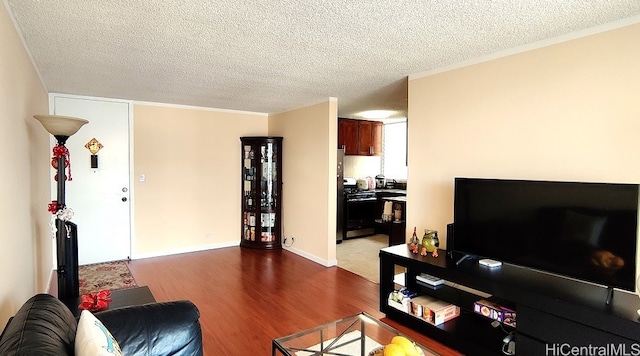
[99,197]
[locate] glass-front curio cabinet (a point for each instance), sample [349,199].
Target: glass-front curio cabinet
[261,192]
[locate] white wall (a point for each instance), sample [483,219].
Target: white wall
[361,166]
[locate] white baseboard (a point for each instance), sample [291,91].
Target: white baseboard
[323,262]
[316,259]
[137,256]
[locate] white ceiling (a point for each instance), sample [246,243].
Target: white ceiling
[272,56]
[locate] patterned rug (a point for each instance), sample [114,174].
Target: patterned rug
[108,275]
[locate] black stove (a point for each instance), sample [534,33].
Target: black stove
[352,194]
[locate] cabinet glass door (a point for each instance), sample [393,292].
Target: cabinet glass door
[249,195]
[268,193]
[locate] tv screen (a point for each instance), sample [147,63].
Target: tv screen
[586,231]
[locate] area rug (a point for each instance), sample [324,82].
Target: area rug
[108,275]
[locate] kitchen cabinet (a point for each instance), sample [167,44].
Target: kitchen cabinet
[261,192]
[348,136]
[376,138]
[360,137]
[365,139]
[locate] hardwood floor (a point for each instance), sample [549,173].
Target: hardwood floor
[248,297]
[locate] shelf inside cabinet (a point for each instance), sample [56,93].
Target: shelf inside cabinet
[467,331]
[400,279]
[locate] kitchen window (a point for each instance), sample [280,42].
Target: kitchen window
[394,150]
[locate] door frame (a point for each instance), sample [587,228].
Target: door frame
[53,142]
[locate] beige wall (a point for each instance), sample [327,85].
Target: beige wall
[25,256]
[567,112]
[570,111]
[309,183]
[191,160]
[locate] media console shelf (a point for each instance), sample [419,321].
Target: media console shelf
[551,310]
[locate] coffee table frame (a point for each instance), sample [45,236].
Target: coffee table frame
[328,343]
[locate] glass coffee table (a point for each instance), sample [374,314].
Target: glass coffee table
[358,335]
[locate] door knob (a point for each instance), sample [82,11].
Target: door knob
[124,190]
[124,198]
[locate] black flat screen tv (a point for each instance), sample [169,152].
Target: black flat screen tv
[586,231]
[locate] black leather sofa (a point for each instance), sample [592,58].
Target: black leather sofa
[45,326]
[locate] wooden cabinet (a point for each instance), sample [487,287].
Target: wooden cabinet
[261,192]
[360,137]
[348,136]
[376,138]
[365,139]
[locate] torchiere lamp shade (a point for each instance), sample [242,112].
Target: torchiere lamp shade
[60,125]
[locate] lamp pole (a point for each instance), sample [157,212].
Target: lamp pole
[62,127]
[66,237]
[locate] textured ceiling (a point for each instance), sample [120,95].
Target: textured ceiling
[271,56]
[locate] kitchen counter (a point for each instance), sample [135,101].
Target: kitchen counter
[396,228]
[402,198]
[394,191]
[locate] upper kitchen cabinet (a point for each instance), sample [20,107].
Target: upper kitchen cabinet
[348,136]
[376,138]
[365,139]
[360,137]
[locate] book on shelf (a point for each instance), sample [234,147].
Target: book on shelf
[496,309]
[432,310]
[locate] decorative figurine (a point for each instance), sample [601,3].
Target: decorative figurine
[430,243]
[413,244]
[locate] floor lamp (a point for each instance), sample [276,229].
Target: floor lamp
[62,127]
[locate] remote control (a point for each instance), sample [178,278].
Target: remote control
[489,262]
[429,279]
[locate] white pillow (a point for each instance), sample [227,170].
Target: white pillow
[93,339]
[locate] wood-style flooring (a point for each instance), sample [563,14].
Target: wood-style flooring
[249,297]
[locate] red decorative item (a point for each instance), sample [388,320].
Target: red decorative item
[95,301]
[54,163]
[58,152]
[53,207]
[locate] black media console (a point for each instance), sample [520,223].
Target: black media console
[554,314]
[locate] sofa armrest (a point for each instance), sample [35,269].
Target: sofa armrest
[42,326]
[170,328]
